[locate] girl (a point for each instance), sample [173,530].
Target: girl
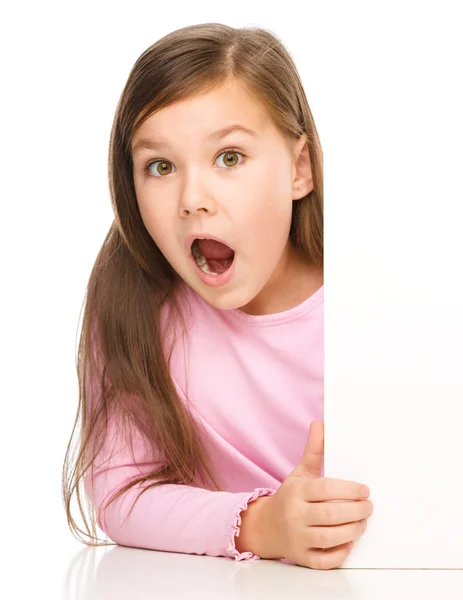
[201,353]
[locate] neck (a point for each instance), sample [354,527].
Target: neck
[295,280]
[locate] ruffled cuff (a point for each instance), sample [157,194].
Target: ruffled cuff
[236,528]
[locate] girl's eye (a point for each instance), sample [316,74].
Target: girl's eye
[165,167]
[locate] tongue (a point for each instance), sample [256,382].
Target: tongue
[219,256]
[212,250]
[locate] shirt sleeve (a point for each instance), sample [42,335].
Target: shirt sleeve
[169,517]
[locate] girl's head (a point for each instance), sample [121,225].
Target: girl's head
[268,208]
[172,177]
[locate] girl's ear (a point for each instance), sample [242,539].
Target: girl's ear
[302,170]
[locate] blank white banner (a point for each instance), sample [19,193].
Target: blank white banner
[393,280]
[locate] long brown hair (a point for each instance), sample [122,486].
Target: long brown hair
[120,353]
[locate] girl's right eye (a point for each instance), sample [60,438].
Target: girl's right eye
[147,168]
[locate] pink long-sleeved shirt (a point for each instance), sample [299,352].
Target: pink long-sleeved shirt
[255,383]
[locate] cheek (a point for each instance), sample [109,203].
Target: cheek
[154,215]
[265,229]
[272,180]
[155,224]
[267,202]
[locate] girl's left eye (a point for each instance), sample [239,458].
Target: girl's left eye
[164,163]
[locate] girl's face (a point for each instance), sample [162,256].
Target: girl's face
[195,189]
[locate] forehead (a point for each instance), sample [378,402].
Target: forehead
[197,117]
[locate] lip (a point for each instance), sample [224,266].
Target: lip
[191,238]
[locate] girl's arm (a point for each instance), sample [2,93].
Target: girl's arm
[170,517]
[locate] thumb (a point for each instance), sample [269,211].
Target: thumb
[311,463]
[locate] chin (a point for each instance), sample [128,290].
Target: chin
[224,301]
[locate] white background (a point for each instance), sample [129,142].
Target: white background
[383,81]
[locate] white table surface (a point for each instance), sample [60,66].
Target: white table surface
[69,570]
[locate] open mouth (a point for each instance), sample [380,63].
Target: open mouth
[211,266]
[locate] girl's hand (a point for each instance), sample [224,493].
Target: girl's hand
[299,523]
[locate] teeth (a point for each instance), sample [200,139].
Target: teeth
[202,262]
[196,252]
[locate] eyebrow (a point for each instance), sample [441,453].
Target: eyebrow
[214,136]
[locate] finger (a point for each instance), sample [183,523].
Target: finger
[311,463]
[326,488]
[329,537]
[329,513]
[331,558]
